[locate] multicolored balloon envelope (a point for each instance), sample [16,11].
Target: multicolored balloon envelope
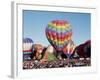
[69,48]
[58,33]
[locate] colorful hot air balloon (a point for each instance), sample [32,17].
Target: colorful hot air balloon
[58,33]
[69,49]
[27,48]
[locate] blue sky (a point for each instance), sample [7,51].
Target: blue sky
[35,22]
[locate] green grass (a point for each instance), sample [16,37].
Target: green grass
[51,57]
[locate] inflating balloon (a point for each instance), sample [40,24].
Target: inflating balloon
[58,33]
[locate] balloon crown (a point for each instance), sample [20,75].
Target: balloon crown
[27,40]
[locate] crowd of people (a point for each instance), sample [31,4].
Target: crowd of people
[37,56]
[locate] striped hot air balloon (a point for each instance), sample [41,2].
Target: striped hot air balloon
[69,49]
[58,33]
[27,48]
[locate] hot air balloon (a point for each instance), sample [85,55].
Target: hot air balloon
[27,48]
[69,49]
[84,49]
[58,33]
